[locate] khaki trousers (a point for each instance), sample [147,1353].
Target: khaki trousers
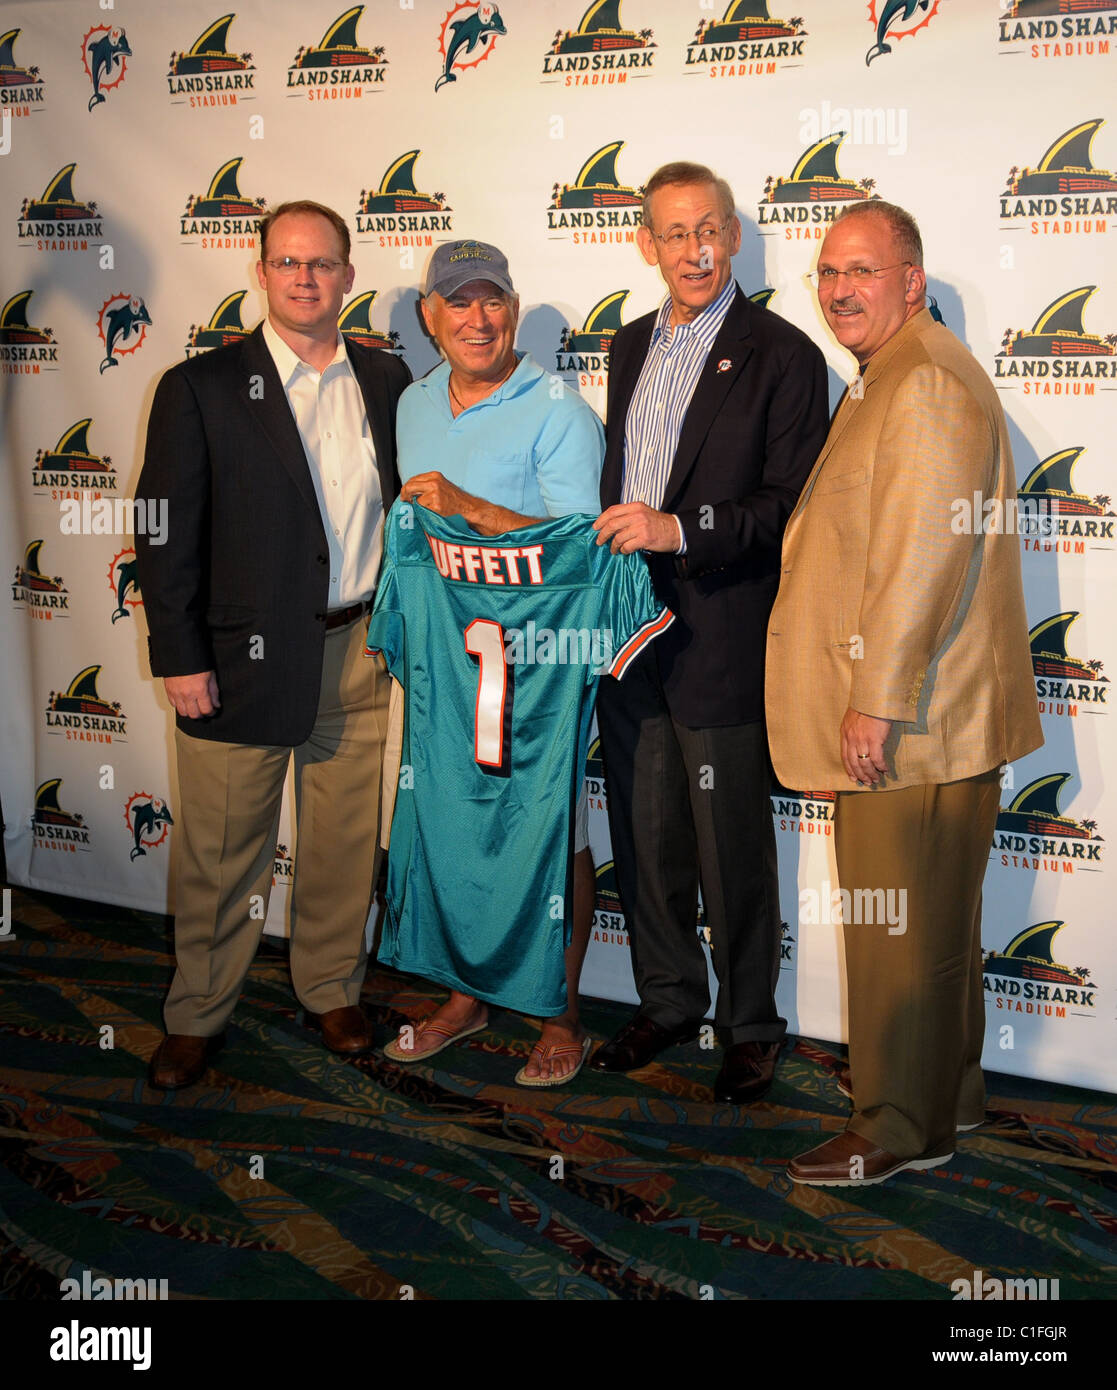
[916,1004]
[230,796]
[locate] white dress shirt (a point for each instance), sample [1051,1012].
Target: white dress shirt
[329,411]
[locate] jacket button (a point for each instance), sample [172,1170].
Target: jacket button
[322,560]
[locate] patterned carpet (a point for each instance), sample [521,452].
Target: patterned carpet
[291,1173]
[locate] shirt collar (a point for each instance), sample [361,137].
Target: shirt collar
[287,360]
[705,327]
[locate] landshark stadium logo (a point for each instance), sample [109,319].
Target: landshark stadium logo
[24,349]
[355,327]
[338,67]
[1065,194]
[52,827]
[1056,356]
[807,200]
[122,324]
[600,51]
[104,54]
[897,19]
[1064,683]
[1081,522]
[467,37]
[1058,28]
[20,88]
[148,820]
[283,868]
[208,74]
[1032,833]
[596,209]
[608,919]
[746,42]
[223,218]
[787,941]
[124,583]
[43,595]
[70,468]
[585,351]
[595,778]
[57,221]
[1025,978]
[397,214]
[225,326]
[802,813]
[79,712]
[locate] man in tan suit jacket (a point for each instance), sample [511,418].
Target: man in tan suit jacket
[900,626]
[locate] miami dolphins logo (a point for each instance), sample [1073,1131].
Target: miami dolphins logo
[466,28]
[123,319]
[103,54]
[124,583]
[890,17]
[149,820]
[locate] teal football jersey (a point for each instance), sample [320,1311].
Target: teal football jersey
[498,643]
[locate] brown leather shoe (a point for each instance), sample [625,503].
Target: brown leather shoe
[845,1086]
[180,1059]
[639,1042]
[747,1072]
[345,1030]
[847,1160]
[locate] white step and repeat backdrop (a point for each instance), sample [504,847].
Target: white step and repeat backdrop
[139,143]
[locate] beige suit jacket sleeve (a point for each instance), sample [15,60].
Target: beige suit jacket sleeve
[935,447]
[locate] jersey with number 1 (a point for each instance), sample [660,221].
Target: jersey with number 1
[499,643]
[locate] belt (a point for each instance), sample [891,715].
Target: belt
[342,617]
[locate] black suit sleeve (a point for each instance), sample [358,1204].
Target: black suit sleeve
[793,415]
[174,577]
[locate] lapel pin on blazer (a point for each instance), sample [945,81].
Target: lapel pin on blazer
[724,364]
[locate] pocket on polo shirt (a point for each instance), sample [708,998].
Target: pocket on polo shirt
[498,478]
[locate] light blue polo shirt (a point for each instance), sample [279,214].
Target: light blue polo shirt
[533,446]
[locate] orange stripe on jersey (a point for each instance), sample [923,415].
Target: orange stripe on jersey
[638,640]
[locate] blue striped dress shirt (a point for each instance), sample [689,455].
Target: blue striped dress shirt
[659,403]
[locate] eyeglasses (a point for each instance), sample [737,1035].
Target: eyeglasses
[287,265]
[709,233]
[856,274]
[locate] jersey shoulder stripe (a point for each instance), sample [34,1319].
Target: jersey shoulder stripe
[639,640]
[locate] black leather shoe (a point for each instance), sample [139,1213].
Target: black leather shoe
[638,1042]
[747,1072]
[181,1059]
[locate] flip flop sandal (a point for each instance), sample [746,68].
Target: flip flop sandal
[449,1034]
[549,1054]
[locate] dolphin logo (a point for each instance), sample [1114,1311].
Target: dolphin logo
[127,578]
[468,33]
[892,11]
[119,326]
[146,818]
[105,53]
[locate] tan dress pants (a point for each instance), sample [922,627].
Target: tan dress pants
[230,796]
[916,1003]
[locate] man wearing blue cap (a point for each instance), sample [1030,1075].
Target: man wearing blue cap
[514,446]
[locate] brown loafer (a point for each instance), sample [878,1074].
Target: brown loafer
[345,1030]
[847,1160]
[180,1059]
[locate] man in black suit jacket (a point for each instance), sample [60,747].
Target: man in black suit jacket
[716,412]
[276,459]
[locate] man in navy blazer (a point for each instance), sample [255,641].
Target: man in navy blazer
[717,409]
[276,458]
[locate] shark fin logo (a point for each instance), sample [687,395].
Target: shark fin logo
[148,820]
[222,215]
[1026,978]
[1051,483]
[338,66]
[398,211]
[104,54]
[597,207]
[897,19]
[585,350]
[20,87]
[467,37]
[1033,832]
[122,323]
[1059,339]
[25,349]
[209,73]
[57,221]
[53,827]
[80,713]
[124,582]
[355,327]
[72,466]
[1064,682]
[1065,185]
[45,595]
[225,326]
